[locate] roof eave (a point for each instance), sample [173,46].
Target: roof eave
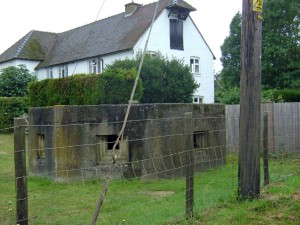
[40,66]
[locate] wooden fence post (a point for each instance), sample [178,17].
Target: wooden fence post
[266,149]
[189,147]
[20,171]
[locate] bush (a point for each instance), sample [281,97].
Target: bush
[74,90]
[112,87]
[116,85]
[164,80]
[11,107]
[229,96]
[14,81]
[288,95]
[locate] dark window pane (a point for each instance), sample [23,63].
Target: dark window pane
[176,34]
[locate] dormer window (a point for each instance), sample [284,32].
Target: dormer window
[176,34]
[181,10]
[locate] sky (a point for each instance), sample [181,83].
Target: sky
[18,17]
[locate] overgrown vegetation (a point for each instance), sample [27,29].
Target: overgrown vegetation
[154,201]
[280,52]
[164,80]
[232,95]
[113,86]
[11,107]
[14,81]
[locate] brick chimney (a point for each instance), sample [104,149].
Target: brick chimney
[131,7]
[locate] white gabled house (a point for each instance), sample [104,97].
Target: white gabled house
[88,49]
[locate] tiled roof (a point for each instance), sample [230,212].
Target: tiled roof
[35,46]
[113,34]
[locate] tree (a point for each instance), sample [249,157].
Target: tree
[280,51]
[281,44]
[164,80]
[14,81]
[231,54]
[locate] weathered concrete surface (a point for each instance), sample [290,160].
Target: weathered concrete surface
[74,140]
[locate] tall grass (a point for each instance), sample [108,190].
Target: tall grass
[153,201]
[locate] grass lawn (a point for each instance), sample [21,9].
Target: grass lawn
[155,201]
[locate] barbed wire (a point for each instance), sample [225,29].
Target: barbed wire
[206,165]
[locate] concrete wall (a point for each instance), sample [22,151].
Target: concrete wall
[73,140]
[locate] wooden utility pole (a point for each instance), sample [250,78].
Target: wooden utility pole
[250,100]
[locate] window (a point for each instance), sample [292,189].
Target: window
[95,66]
[104,147]
[40,152]
[176,34]
[200,140]
[63,71]
[198,100]
[111,140]
[152,53]
[201,146]
[50,73]
[195,65]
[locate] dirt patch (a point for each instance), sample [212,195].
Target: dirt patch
[270,197]
[3,153]
[296,196]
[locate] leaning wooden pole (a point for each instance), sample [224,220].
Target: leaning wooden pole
[250,101]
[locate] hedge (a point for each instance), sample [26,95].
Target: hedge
[288,95]
[11,107]
[111,87]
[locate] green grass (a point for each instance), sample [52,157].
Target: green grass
[156,201]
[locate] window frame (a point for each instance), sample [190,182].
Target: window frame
[193,65]
[199,99]
[63,71]
[50,73]
[95,66]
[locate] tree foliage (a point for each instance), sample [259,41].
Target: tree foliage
[14,81]
[231,54]
[164,80]
[280,47]
[9,109]
[281,44]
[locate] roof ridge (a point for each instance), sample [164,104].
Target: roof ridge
[48,32]
[91,23]
[20,48]
[118,14]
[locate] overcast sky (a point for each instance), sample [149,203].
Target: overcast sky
[18,17]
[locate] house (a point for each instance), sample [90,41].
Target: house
[89,48]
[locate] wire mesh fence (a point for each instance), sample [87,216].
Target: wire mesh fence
[160,177]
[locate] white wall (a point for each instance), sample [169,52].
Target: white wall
[194,45]
[15,62]
[83,65]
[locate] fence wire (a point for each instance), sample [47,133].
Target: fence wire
[151,189]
